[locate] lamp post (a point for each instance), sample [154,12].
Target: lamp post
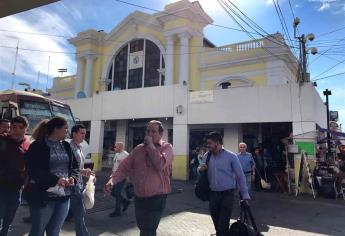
[303,50]
[328,93]
[27,85]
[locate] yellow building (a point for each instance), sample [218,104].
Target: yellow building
[162,66]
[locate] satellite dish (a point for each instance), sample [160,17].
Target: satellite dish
[81,94]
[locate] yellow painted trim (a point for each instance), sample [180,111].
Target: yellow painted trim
[179,167]
[97,161]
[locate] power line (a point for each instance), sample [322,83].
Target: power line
[283,23]
[330,32]
[334,59]
[227,7]
[166,13]
[341,73]
[102,54]
[341,62]
[265,34]
[325,51]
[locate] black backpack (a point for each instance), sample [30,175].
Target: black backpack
[202,188]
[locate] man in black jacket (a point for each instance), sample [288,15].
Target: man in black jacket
[12,170]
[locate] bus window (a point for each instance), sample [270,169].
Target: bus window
[34,112]
[64,112]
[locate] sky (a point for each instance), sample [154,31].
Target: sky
[42,35]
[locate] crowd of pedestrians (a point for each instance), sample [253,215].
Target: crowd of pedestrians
[48,172]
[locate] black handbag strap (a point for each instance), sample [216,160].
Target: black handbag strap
[208,157]
[245,213]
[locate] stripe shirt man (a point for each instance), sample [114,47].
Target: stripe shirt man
[149,167]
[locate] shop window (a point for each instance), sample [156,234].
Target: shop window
[135,78]
[120,69]
[152,64]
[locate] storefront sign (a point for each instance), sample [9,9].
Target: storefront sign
[333,115]
[201,97]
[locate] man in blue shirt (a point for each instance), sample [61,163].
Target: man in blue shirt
[247,163]
[223,169]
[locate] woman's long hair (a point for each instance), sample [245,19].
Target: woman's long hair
[46,127]
[40,130]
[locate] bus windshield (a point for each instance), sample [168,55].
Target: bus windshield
[34,112]
[64,112]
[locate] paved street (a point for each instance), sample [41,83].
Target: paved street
[276,214]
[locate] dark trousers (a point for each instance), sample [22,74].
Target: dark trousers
[221,204]
[116,192]
[9,203]
[78,210]
[148,212]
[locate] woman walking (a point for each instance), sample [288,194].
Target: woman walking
[52,170]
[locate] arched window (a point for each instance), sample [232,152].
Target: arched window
[138,64]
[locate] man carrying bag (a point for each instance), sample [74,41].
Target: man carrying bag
[223,172]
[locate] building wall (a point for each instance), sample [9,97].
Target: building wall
[263,87]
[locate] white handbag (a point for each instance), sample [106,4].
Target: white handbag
[89,193]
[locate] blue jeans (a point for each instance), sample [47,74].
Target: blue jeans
[9,203]
[48,219]
[78,211]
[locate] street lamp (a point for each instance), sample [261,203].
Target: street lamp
[28,86]
[328,93]
[302,67]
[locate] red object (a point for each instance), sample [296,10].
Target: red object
[280,177]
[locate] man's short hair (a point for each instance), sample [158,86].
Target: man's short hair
[77,127]
[215,136]
[20,120]
[157,122]
[4,121]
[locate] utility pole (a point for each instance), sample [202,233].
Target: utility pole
[328,93]
[303,50]
[15,65]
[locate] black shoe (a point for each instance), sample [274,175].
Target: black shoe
[115,214]
[27,219]
[126,205]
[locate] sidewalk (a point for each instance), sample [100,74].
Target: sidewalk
[275,213]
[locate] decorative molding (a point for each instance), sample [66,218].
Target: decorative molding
[245,61]
[246,82]
[131,21]
[182,30]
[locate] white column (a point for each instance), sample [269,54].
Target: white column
[96,142]
[232,136]
[121,128]
[169,64]
[184,57]
[79,76]
[89,73]
[180,145]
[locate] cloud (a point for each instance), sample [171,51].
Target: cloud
[334,6]
[34,49]
[269,2]
[324,6]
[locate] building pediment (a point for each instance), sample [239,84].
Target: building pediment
[187,10]
[132,21]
